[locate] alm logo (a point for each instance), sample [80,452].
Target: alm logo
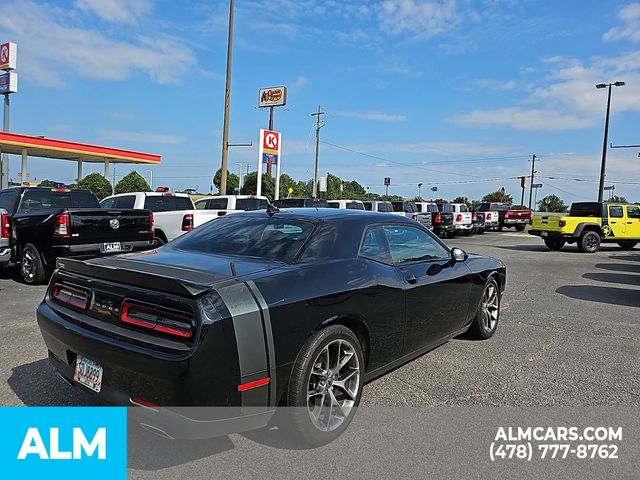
[34,445]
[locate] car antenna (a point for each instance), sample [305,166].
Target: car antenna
[271,209]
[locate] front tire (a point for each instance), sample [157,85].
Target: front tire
[31,265]
[485,322]
[589,242]
[326,385]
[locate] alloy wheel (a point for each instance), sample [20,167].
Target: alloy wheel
[490,307]
[28,265]
[334,385]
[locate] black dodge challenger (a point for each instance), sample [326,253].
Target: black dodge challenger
[295,307]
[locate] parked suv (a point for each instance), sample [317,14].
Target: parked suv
[348,204]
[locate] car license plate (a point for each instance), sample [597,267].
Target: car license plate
[88,373]
[112,247]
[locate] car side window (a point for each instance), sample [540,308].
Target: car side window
[633,211]
[8,200]
[201,205]
[375,246]
[127,201]
[217,203]
[410,244]
[616,211]
[108,203]
[368,206]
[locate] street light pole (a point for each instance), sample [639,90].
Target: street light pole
[606,137]
[227,103]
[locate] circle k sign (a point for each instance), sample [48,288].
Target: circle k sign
[271,140]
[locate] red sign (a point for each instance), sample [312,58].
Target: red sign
[8,56]
[271,141]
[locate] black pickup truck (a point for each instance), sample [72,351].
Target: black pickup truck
[42,224]
[442,222]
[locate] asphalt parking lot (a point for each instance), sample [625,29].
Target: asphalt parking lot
[569,335]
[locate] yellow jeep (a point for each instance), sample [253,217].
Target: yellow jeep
[588,225]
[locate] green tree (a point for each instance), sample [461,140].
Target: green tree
[286,183]
[441,200]
[473,204]
[133,182]
[233,181]
[250,185]
[552,203]
[99,186]
[391,198]
[498,196]
[48,183]
[464,200]
[617,199]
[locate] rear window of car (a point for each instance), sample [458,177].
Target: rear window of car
[464,208]
[8,200]
[238,235]
[126,202]
[445,208]
[34,200]
[250,204]
[368,206]
[410,207]
[586,209]
[385,207]
[166,203]
[289,203]
[354,206]
[397,206]
[334,205]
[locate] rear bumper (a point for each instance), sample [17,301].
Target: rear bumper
[516,221]
[463,226]
[95,249]
[550,234]
[443,228]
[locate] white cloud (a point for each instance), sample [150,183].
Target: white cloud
[418,18]
[118,11]
[373,116]
[140,137]
[630,28]
[299,82]
[565,98]
[51,44]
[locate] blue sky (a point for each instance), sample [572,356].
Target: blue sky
[432,92]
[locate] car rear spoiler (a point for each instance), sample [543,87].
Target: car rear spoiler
[137,277]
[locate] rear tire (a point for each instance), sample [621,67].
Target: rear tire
[627,244]
[499,228]
[554,243]
[317,382]
[31,265]
[485,322]
[589,242]
[520,228]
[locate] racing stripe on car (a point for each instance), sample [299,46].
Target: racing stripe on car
[266,323]
[250,340]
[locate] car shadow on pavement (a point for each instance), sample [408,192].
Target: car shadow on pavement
[36,384]
[596,293]
[629,257]
[619,278]
[150,452]
[619,267]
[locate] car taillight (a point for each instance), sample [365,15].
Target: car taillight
[157,319]
[415,216]
[151,220]
[437,218]
[187,222]
[474,216]
[4,226]
[458,218]
[69,295]
[62,226]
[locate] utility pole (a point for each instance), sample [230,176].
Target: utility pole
[227,103]
[319,125]
[533,172]
[4,158]
[522,184]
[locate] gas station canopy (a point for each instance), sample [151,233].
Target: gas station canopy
[33,146]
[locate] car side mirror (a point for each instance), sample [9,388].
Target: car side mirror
[458,255]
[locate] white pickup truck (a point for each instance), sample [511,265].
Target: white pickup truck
[462,218]
[173,213]
[226,204]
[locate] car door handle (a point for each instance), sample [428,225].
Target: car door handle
[412,279]
[629,223]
